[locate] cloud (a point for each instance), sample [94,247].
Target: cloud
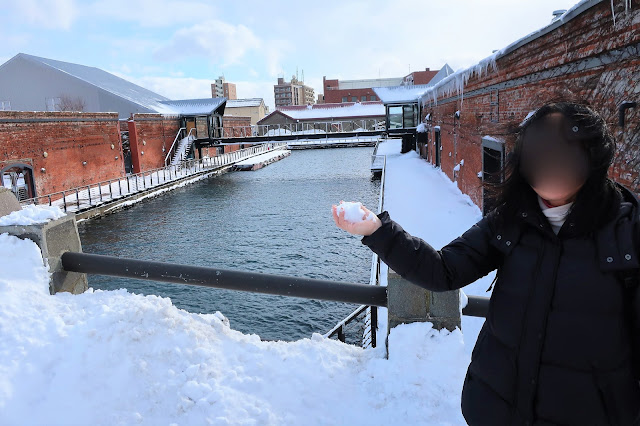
[50,14]
[213,39]
[151,13]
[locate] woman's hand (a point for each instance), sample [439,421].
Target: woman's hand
[364,227]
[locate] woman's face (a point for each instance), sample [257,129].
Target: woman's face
[555,166]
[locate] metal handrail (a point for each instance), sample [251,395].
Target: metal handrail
[174,172]
[223,278]
[327,126]
[173,144]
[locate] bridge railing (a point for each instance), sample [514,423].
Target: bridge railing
[306,128]
[94,194]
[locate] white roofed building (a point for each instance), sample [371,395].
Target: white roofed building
[357,113]
[254,108]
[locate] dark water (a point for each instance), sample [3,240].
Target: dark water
[273,220]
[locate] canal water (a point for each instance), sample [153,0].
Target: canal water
[274,220]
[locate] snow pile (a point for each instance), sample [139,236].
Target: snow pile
[31,215]
[353,212]
[422,128]
[111,357]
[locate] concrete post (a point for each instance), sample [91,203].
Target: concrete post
[53,238]
[409,303]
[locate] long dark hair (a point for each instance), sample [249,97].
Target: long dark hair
[594,137]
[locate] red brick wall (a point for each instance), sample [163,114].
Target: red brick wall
[604,87]
[236,126]
[93,138]
[153,133]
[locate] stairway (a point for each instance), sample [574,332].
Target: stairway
[182,151]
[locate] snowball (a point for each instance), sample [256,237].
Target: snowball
[353,212]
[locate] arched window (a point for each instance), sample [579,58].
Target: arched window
[18,178]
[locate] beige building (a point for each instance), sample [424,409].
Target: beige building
[254,108]
[294,92]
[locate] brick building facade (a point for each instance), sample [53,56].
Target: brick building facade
[61,150]
[582,56]
[150,138]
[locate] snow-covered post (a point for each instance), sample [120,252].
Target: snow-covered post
[409,303]
[54,237]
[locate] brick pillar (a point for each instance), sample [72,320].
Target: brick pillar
[133,144]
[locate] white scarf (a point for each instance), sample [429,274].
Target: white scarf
[555,215]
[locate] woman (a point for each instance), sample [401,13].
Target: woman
[556,347]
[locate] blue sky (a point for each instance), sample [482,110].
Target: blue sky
[178,48]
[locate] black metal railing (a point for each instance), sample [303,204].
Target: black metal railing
[369,296]
[361,294]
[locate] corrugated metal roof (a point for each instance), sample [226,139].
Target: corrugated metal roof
[204,106]
[241,103]
[105,81]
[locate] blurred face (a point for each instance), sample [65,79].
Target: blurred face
[555,165]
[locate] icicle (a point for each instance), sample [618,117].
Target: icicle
[613,12]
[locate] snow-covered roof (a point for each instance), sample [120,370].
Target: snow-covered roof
[241,103]
[397,94]
[329,111]
[204,106]
[456,81]
[103,80]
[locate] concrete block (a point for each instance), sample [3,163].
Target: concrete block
[54,238]
[409,303]
[8,202]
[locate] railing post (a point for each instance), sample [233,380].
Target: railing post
[409,303]
[100,191]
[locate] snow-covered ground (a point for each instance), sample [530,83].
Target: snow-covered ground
[111,357]
[267,156]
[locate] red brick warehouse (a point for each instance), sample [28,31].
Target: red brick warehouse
[584,54]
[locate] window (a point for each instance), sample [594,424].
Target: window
[373,98]
[395,117]
[363,98]
[344,99]
[5,106]
[354,99]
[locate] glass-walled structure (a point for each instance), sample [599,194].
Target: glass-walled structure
[402,116]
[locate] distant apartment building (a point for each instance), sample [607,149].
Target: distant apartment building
[294,92]
[222,89]
[336,91]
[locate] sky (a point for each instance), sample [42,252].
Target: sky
[178,48]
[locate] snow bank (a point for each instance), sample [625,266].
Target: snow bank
[111,357]
[31,215]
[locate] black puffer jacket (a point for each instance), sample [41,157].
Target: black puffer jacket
[556,345]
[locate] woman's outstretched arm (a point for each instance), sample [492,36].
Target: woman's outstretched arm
[461,262]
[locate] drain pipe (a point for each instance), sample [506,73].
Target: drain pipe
[621,110]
